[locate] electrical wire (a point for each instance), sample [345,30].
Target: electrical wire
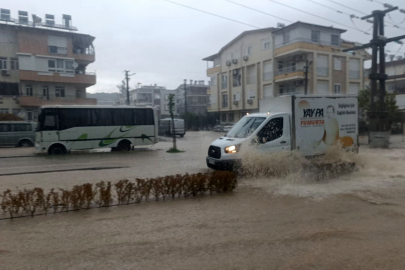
[337,3]
[212,14]
[271,15]
[338,11]
[348,26]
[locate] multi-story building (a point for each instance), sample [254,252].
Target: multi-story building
[42,64]
[154,96]
[197,97]
[269,62]
[164,103]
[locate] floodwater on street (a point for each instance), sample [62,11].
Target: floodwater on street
[281,220]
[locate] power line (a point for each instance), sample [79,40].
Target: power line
[337,3]
[348,26]
[338,11]
[212,14]
[259,11]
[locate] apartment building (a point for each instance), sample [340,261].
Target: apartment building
[197,97]
[154,96]
[43,63]
[268,62]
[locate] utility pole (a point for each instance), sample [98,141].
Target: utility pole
[127,80]
[379,130]
[185,95]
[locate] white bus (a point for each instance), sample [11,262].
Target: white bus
[64,128]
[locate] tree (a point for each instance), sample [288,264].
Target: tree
[171,111]
[122,88]
[390,103]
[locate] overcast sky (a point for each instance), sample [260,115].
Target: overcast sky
[164,43]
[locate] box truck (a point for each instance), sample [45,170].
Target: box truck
[307,124]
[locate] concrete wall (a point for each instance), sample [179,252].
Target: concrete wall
[8,49]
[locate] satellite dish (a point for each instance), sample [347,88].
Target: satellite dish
[21,114]
[75,65]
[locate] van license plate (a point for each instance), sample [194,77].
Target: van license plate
[210,161]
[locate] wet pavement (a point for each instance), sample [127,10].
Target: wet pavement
[354,221]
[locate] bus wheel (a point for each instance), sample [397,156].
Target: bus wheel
[57,149]
[124,146]
[25,143]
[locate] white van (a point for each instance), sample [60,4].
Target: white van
[165,127]
[308,124]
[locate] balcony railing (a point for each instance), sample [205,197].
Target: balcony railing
[36,101]
[354,74]
[308,40]
[251,79]
[287,70]
[225,104]
[322,71]
[267,76]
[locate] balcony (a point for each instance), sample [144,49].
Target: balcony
[289,73]
[213,70]
[305,44]
[83,57]
[87,78]
[38,102]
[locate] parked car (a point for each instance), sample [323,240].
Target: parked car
[227,128]
[165,127]
[218,128]
[17,133]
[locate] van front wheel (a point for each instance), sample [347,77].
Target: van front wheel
[25,143]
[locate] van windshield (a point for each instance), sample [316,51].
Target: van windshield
[245,127]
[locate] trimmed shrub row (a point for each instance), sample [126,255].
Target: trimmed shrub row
[30,202]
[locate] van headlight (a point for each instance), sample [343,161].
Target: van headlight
[232,149]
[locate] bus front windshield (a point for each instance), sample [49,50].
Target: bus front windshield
[245,127]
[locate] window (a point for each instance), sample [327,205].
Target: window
[236,78]
[354,88]
[265,44]
[337,63]
[166,107]
[286,38]
[3,63]
[69,67]
[251,74]
[61,66]
[4,111]
[78,94]
[280,64]
[268,91]
[315,36]
[271,131]
[59,91]
[57,45]
[322,88]
[267,70]
[49,122]
[236,97]
[223,117]
[224,100]
[337,89]
[30,116]
[22,127]
[230,117]
[335,40]
[45,91]
[249,50]
[5,128]
[14,64]
[28,90]
[322,65]
[166,97]
[53,49]
[251,94]
[224,81]
[354,69]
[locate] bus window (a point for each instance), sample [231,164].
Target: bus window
[49,122]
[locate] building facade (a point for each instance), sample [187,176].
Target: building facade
[197,98]
[264,63]
[43,65]
[154,96]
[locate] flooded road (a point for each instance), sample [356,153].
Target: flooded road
[280,221]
